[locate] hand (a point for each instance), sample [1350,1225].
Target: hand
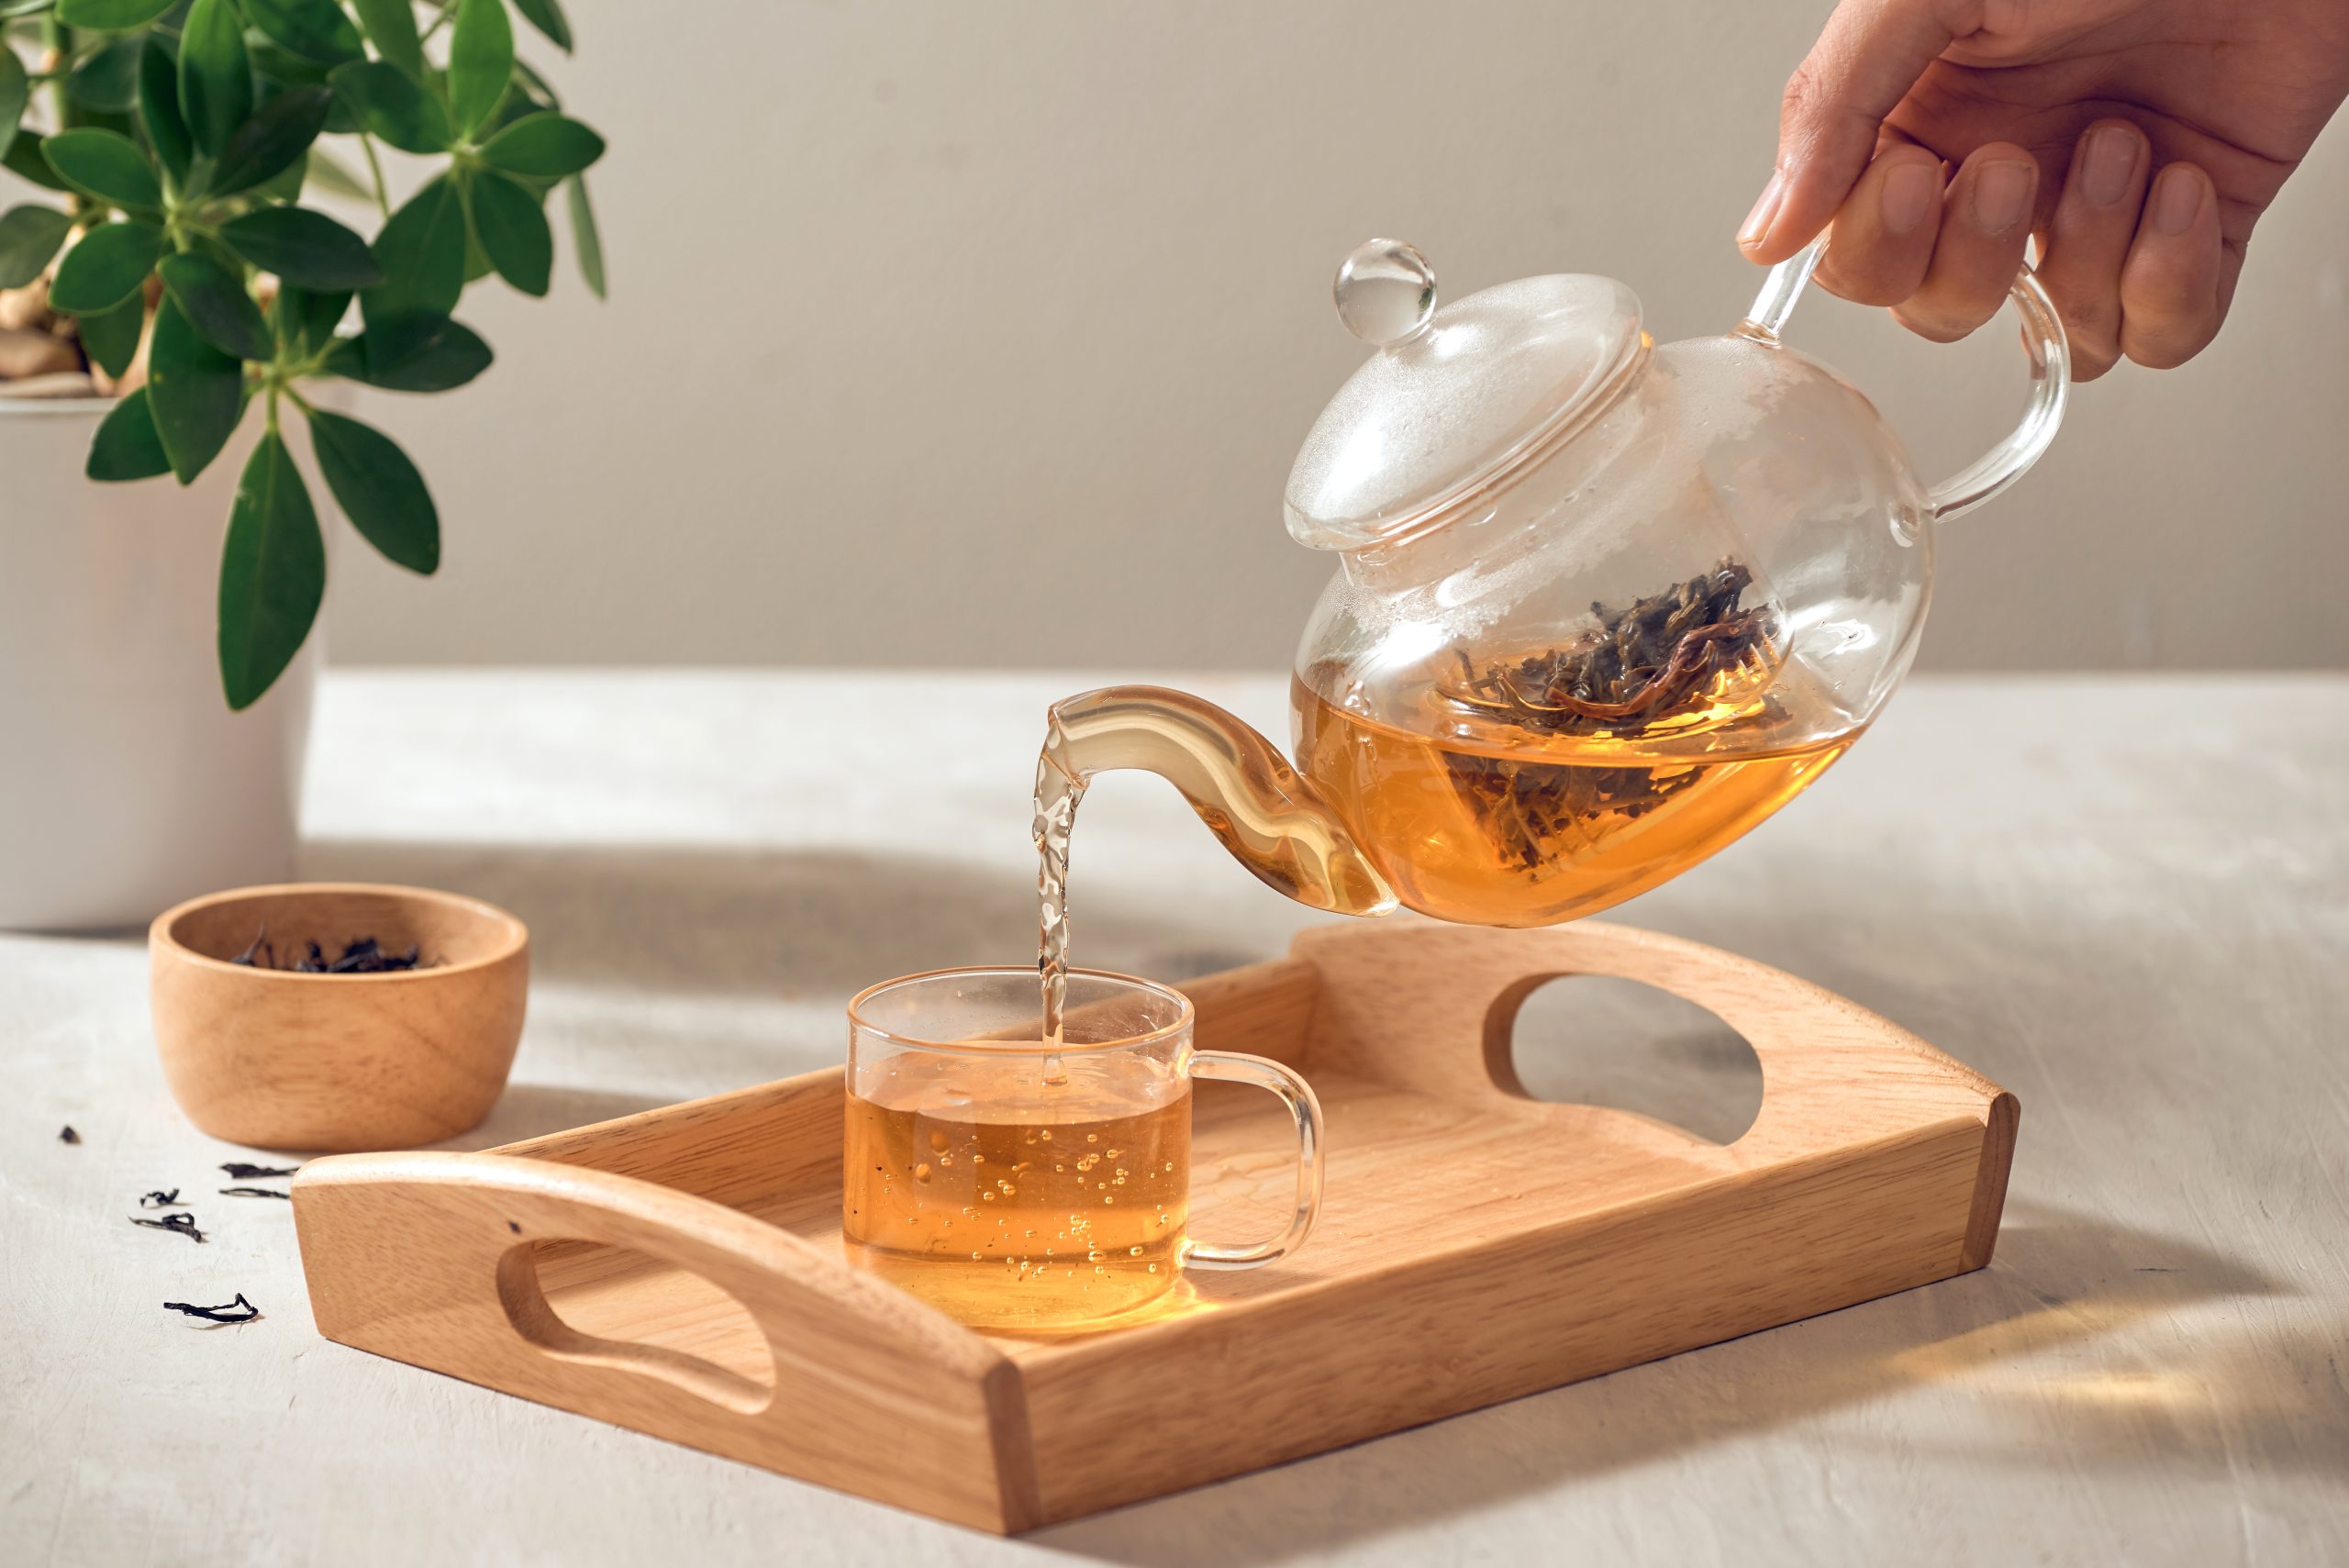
[2140,139]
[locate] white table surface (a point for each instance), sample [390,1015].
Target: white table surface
[2127,901]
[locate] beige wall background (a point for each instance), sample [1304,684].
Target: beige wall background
[945,333]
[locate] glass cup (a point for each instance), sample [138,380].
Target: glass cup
[1013,1187]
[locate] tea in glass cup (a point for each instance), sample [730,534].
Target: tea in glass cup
[1014,1186]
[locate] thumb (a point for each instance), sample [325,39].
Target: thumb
[1870,54]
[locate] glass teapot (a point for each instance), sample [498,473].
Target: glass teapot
[1601,606]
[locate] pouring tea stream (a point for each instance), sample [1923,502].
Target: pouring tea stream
[1601,606]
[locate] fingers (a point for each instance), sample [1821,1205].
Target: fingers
[2087,240]
[1883,240]
[1986,219]
[1870,54]
[2171,304]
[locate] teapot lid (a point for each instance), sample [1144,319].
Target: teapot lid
[1455,398]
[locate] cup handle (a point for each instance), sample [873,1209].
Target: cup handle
[2042,340]
[1232,1067]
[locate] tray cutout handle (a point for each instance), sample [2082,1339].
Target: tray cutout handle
[524,1296]
[1429,1008]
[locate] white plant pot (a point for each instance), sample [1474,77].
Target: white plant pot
[125,784]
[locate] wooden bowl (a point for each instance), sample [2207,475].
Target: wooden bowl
[338,1061]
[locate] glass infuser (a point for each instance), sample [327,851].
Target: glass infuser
[1600,605]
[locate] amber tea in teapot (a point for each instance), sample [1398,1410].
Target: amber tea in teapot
[1531,790]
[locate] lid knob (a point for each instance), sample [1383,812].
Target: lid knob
[1385,292]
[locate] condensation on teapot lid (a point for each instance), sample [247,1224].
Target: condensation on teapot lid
[1455,397]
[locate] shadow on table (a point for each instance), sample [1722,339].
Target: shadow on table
[2002,1350]
[795,923]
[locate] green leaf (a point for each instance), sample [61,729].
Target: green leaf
[481,61]
[216,305]
[514,232]
[412,353]
[127,446]
[158,109]
[272,573]
[285,185]
[315,29]
[303,247]
[108,79]
[16,92]
[30,236]
[391,27]
[105,164]
[584,238]
[111,337]
[308,317]
[394,107]
[543,146]
[547,17]
[110,16]
[106,268]
[268,144]
[282,66]
[23,159]
[216,75]
[197,392]
[379,490]
[422,252]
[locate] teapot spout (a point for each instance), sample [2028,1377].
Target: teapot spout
[1271,817]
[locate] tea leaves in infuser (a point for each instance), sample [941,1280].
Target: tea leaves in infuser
[1661,658]
[1645,662]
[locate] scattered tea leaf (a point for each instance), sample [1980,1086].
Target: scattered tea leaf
[179,1224]
[254,1192]
[227,1312]
[245,1172]
[67,1135]
[160,1199]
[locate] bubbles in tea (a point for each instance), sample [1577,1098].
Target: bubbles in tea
[1009,1201]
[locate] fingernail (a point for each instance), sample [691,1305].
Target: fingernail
[2001,193]
[1765,207]
[2108,158]
[2178,200]
[1909,192]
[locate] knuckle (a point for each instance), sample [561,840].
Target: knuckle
[1930,328]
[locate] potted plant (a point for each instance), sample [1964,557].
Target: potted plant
[175,305]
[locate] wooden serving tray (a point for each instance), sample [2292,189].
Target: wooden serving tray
[680,1272]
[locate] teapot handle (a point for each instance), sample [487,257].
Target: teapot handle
[2042,340]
